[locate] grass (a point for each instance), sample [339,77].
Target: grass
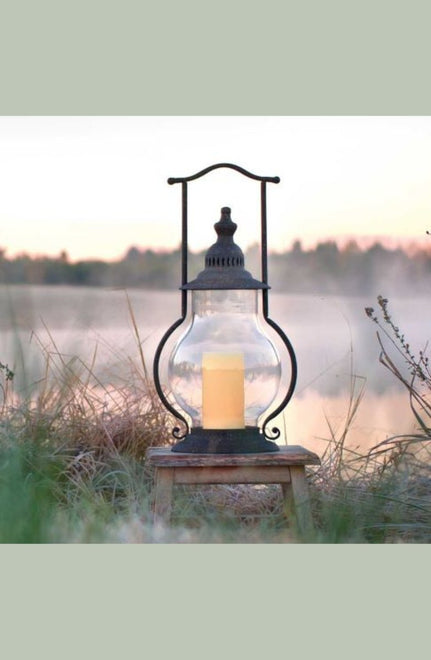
[72,464]
[384,495]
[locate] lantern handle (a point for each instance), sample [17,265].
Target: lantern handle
[184,240]
[192,177]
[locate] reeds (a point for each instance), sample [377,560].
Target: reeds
[83,433]
[383,495]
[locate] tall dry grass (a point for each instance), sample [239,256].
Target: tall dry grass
[72,445]
[383,495]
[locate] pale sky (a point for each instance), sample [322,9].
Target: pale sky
[94,186]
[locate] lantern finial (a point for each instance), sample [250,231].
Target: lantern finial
[224,261]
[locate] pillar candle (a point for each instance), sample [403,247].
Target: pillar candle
[223,391]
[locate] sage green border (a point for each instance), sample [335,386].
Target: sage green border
[213,601]
[232,57]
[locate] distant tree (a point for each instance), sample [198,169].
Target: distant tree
[327,268]
[296,247]
[132,254]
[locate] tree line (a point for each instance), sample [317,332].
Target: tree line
[326,268]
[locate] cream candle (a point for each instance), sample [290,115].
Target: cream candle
[223,391]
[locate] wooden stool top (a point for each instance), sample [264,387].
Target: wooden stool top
[288,455]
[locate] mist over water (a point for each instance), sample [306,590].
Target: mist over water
[333,339]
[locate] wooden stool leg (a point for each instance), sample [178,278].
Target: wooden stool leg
[164,480]
[289,502]
[297,499]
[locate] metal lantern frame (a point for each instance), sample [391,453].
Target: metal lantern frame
[220,440]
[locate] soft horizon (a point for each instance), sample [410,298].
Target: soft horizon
[410,245]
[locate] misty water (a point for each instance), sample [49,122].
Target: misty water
[334,341]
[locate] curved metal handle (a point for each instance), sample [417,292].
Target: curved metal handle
[192,177]
[263,181]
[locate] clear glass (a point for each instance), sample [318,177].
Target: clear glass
[225,326]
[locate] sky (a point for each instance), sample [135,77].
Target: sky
[95,186]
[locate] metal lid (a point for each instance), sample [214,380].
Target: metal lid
[224,262]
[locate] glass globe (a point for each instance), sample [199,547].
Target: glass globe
[224,372]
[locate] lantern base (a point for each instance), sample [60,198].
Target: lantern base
[225,441]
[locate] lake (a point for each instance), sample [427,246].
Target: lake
[332,337]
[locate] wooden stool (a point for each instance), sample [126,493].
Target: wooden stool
[285,467]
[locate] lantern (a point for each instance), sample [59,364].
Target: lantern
[224,372]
